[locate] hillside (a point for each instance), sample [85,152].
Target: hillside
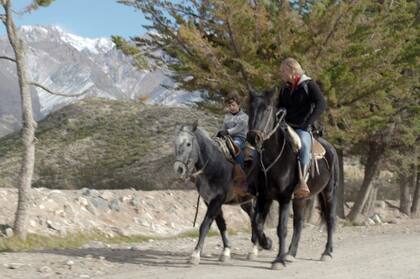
[100,143]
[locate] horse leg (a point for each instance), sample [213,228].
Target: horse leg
[262,209]
[221,224]
[298,219]
[213,210]
[327,200]
[249,209]
[280,260]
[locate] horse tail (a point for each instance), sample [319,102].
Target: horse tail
[328,197]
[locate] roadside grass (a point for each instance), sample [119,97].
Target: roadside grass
[40,242]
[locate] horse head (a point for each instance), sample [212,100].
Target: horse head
[264,117]
[186,149]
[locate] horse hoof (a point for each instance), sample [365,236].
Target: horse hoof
[326,258]
[277,266]
[252,257]
[194,260]
[267,245]
[289,258]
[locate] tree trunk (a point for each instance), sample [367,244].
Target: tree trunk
[28,125]
[340,189]
[416,197]
[415,184]
[371,166]
[404,194]
[371,200]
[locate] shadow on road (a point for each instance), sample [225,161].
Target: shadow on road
[131,256]
[156,258]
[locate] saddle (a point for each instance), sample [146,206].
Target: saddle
[318,151]
[227,147]
[231,151]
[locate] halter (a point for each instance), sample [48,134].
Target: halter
[198,172]
[265,136]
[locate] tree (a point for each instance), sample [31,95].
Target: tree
[360,51]
[28,123]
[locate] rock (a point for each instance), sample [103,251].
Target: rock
[82,201]
[144,223]
[32,223]
[9,232]
[92,209]
[114,205]
[85,191]
[88,256]
[68,209]
[44,269]
[394,222]
[13,265]
[95,244]
[52,226]
[126,198]
[69,263]
[107,195]
[135,201]
[99,202]
[102,258]
[380,204]
[84,276]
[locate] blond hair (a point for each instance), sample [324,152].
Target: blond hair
[293,65]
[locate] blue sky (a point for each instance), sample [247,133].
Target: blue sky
[87,18]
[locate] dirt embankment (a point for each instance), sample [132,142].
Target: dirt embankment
[112,212]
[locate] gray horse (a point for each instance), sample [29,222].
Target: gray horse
[198,156]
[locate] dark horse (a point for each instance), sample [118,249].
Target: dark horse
[198,157]
[278,161]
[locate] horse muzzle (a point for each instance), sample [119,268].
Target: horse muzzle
[180,169]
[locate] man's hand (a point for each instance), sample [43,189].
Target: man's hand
[222,133]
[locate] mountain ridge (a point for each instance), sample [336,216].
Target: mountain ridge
[70,64]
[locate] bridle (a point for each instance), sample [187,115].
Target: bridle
[264,136]
[195,174]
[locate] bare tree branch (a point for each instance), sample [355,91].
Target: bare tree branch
[55,93]
[8,58]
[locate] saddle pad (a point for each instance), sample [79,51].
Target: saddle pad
[294,138]
[318,151]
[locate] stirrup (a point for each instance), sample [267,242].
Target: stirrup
[301,189]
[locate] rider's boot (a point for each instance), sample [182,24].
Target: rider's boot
[302,189]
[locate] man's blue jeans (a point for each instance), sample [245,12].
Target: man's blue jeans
[240,142]
[305,151]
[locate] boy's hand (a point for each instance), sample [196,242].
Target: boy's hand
[222,133]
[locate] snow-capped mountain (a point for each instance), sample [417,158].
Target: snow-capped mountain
[71,64]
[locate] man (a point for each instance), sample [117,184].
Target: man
[304,103]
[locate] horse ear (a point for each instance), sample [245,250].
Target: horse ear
[195,125]
[178,127]
[270,94]
[251,94]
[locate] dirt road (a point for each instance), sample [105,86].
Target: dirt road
[387,251]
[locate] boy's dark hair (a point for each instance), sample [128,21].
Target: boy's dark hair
[232,96]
